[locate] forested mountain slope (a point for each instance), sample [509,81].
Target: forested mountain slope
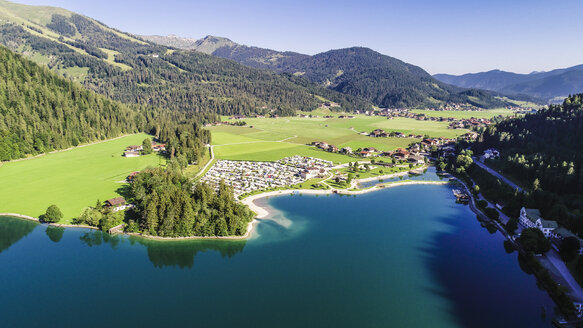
[41,111]
[357,71]
[543,151]
[128,69]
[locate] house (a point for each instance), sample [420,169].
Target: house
[116,204]
[131,154]
[531,218]
[378,133]
[132,175]
[416,159]
[158,147]
[364,153]
[134,148]
[491,153]
[401,154]
[346,150]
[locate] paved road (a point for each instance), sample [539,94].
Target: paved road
[555,260]
[496,174]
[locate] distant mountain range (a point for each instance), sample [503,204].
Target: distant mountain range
[553,86]
[361,72]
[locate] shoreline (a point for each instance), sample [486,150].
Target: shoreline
[261,212]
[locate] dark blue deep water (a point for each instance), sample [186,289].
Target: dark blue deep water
[400,257]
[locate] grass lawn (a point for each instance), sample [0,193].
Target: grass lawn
[270,151]
[272,139]
[461,114]
[70,179]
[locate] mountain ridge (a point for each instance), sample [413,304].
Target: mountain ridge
[357,71]
[550,85]
[129,69]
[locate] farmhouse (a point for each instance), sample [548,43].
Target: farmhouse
[346,150]
[131,154]
[415,159]
[401,154]
[116,204]
[531,218]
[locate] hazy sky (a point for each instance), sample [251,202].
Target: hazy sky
[441,36]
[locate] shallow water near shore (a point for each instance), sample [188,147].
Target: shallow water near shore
[400,257]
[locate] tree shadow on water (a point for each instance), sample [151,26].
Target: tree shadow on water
[180,253]
[471,273]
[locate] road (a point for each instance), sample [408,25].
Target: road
[554,258]
[496,174]
[212,153]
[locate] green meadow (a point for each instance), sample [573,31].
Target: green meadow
[461,114]
[71,179]
[267,139]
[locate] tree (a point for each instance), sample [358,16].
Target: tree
[533,240]
[442,166]
[147,146]
[350,177]
[536,184]
[476,189]
[512,225]
[492,213]
[569,248]
[53,214]
[90,216]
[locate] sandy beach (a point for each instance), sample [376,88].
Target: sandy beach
[263,212]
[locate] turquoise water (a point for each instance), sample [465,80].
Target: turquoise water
[430,175]
[401,257]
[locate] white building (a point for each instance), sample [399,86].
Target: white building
[531,218]
[491,153]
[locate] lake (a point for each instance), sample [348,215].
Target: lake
[401,257]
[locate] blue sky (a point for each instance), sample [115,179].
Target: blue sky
[441,36]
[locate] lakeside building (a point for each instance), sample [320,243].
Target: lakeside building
[532,218]
[117,204]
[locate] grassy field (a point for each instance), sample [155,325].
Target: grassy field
[267,139]
[461,114]
[70,179]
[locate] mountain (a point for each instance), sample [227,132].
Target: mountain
[553,85]
[385,81]
[40,111]
[129,69]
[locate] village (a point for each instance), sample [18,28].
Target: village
[247,176]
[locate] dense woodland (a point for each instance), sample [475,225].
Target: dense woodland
[543,152]
[40,112]
[168,205]
[360,72]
